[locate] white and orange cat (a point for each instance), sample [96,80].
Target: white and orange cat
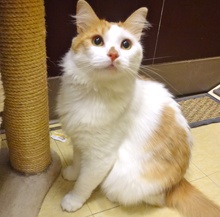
[129,135]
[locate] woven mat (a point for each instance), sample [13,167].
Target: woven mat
[200,110]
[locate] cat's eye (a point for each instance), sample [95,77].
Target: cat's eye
[97,40]
[126,44]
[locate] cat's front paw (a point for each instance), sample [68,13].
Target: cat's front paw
[71,202]
[70,173]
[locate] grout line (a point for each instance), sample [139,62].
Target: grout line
[89,208]
[62,155]
[198,168]
[158,32]
[213,173]
[212,179]
[207,175]
[194,180]
[106,210]
[218,185]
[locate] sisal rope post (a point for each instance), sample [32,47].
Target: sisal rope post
[23,67]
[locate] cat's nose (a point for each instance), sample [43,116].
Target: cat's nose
[113,54]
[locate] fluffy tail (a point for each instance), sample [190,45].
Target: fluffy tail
[190,202]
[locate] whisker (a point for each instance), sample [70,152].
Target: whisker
[86,66]
[135,75]
[145,73]
[132,73]
[152,70]
[157,58]
[144,68]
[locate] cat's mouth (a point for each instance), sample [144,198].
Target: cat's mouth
[111,66]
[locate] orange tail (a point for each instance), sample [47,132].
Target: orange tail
[190,202]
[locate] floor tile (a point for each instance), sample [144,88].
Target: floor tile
[206,150]
[206,185]
[3,136]
[209,188]
[66,149]
[51,205]
[98,202]
[193,173]
[138,211]
[55,148]
[3,144]
[215,178]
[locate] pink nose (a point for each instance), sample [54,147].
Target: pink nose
[113,54]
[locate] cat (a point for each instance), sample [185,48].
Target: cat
[129,134]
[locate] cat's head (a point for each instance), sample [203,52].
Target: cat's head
[103,49]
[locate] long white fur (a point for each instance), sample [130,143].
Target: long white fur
[110,115]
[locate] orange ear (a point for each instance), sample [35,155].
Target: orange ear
[136,22]
[85,16]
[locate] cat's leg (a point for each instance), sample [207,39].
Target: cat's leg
[71,172]
[92,173]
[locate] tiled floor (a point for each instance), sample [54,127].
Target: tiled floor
[204,173]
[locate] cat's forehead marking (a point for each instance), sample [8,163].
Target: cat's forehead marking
[110,31]
[102,27]
[105,27]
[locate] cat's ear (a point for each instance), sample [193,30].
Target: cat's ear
[136,22]
[85,16]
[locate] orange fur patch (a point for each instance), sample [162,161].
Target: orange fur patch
[170,152]
[84,39]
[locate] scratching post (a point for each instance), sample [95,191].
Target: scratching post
[26,119]
[23,67]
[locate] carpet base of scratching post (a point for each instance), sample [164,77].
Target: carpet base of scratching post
[22,195]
